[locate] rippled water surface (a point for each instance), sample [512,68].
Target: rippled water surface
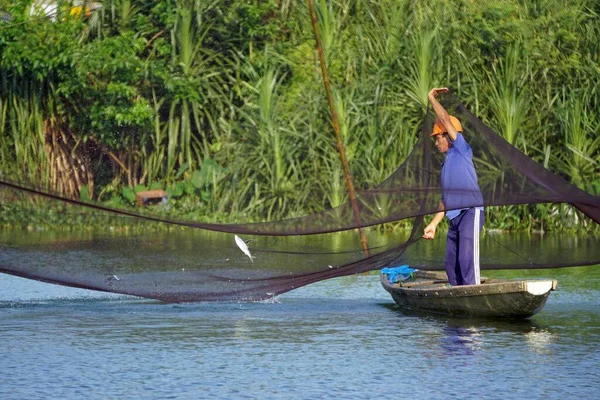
[343,338]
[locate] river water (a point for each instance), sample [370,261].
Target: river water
[343,338]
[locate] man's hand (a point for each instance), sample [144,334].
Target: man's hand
[429,232]
[435,91]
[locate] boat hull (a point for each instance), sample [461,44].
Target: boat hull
[430,292]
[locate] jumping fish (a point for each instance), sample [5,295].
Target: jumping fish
[243,247]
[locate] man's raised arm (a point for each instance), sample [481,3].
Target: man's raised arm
[441,112]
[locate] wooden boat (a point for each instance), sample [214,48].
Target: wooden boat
[430,291]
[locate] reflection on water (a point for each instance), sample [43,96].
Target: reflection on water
[540,340]
[448,336]
[464,339]
[460,340]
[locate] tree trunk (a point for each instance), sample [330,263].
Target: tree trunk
[68,161]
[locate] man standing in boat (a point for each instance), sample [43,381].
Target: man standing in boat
[461,198]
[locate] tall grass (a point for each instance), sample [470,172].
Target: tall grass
[154,155]
[580,124]
[5,147]
[196,95]
[421,65]
[26,136]
[182,111]
[509,101]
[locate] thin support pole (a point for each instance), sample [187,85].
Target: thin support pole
[336,128]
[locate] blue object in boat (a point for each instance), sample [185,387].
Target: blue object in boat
[398,274]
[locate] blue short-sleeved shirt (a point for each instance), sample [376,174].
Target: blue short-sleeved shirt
[460,189]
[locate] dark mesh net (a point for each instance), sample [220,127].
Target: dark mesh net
[191,264]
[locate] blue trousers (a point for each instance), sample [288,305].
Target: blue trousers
[462,248]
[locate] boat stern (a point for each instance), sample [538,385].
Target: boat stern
[541,287]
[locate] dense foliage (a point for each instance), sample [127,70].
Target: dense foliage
[221,102]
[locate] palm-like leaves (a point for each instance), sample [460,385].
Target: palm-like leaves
[196,86]
[580,125]
[508,98]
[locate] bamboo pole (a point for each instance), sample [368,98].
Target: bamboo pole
[336,128]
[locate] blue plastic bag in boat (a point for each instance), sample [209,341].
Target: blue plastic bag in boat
[398,274]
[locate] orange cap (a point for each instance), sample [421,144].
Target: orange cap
[439,128]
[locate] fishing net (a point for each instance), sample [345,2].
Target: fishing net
[202,261]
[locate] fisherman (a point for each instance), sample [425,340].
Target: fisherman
[461,198]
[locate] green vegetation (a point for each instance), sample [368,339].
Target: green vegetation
[221,102]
